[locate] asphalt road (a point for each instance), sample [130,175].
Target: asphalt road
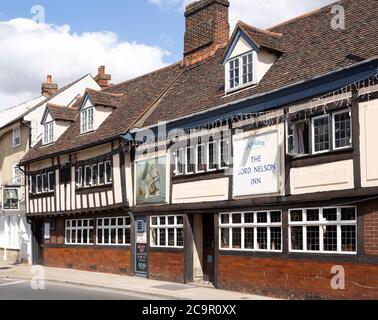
[21,290]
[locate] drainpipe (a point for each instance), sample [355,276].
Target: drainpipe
[5,257]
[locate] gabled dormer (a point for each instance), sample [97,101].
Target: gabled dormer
[250,54]
[96,107]
[55,122]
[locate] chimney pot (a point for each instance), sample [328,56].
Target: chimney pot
[102,78]
[49,88]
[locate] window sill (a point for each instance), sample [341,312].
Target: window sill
[320,158]
[41,195]
[199,175]
[105,187]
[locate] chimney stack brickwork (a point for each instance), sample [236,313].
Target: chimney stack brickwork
[207,29]
[102,78]
[49,88]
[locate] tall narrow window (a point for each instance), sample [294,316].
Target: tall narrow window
[48,135]
[190,162]
[51,181]
[87,176]
[320,133]
[180,162]
[39,183]
[247,68]
[94,175]
[201,158]
[342,128]
[108,172]
[212,155]
[16,137]
[87,119]
[16,179]
[45,182]
[101,173]
[234,73]
[224,154]
[79,177]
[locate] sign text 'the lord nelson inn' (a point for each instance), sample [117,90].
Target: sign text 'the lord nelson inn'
[256,164]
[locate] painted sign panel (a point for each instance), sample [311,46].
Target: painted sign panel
[256,164]
[151,181]
[141,257]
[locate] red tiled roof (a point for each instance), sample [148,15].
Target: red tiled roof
[309,48]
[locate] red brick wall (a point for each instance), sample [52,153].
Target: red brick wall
[117,261]
[166,266]
[300,279]
[370,213]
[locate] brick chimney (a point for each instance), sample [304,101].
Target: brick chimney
[49,88]
[207,29]
[102,78]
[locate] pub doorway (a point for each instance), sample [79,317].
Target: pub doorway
[203,248]
[39,242]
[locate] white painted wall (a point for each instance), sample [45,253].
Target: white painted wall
[324,177]
[64,98]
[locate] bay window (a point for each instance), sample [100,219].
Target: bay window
[325,230]
[167,231]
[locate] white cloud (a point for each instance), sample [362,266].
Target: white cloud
[30,51]
[259,13]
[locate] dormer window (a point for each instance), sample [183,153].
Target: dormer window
[48,133]
[87,120]
[240,71]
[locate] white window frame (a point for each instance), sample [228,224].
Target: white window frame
[203,155]
[98,174]
[241,84]
[87,120]
[230,225]
[338,223]
[107,180]
[334,129]
[79,177]
[45,176]
[93,182]
[48,133]
[166,227]
[37,185]
[227,141]
[181,153]
[16,137]
[81,228]
[50,187]
[116,227]
[193,156]
[85,177]
[313,134]
[215,149]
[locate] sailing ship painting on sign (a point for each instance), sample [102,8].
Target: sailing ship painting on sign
[151,181]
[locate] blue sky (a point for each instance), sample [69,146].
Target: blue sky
[129,37]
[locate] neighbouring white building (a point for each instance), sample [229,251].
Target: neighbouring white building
[20,129]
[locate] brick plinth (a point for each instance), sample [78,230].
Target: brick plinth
[166,266]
